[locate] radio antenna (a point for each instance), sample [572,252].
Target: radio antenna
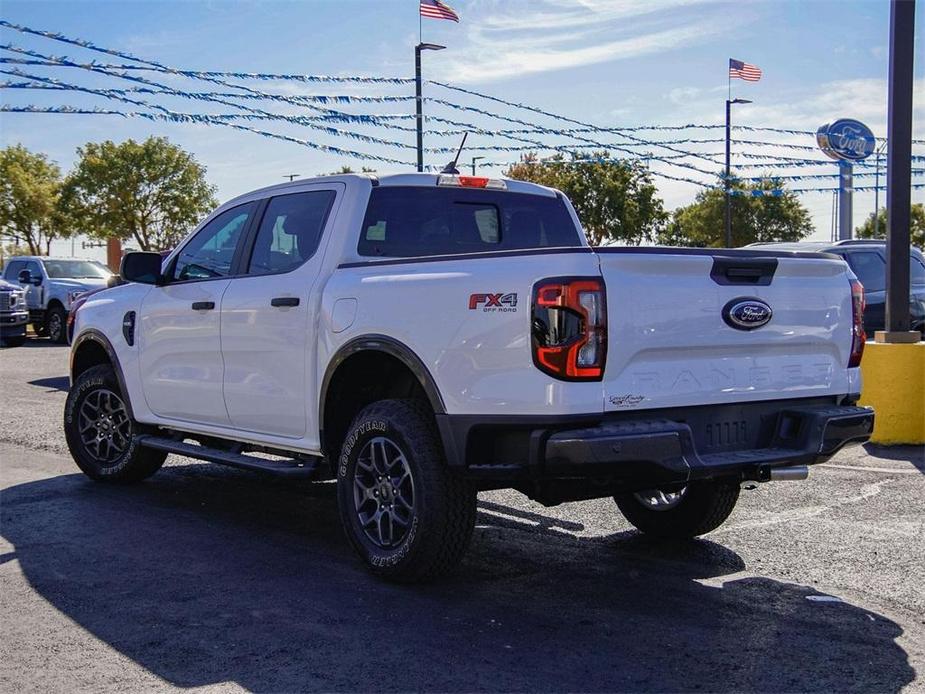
[451,167]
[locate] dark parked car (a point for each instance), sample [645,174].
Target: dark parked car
[867,260]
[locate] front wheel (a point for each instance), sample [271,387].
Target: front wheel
[696,509]
[101,433]
[408,516]
[56,325]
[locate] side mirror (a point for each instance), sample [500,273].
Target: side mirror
[142,267]
[25,277]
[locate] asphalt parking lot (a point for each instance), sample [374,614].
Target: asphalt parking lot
[220,579]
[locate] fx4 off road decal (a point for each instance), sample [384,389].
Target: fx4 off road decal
[490,303]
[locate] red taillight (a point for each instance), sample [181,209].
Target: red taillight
[569,331]
[858,337]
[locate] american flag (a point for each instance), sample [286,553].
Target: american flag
[434,9]
[743,71]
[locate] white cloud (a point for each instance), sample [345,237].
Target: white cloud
[504,39]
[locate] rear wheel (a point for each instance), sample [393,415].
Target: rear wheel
[101,433]
[408,516]
[694,510]
[56,324]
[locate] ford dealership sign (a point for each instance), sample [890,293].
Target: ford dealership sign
[846,140]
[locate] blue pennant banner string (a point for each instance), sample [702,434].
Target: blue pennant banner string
[548,114]
[153,65]
[551,131]
[807,177]
[60,60]
[214,76]
[294,98]
[777,192]
[373,120]
[180,117]
[298,120]
[787,131]
[188,118]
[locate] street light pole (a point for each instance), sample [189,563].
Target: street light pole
[418,100]
[726,180]
[475,159]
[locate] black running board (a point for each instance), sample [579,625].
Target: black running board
[290,468]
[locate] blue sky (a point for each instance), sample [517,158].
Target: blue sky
[607,62]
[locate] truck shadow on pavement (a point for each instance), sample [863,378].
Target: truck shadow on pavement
[204,575]
[53,383]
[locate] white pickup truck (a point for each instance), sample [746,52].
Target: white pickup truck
[52,285]
[421,338]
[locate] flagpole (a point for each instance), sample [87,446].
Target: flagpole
[727,207]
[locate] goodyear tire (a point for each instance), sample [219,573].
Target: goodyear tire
[407,515]
[697,509]
[101,434]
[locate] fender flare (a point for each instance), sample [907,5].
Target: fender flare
[93,335]
[386,345]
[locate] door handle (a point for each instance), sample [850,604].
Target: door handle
[285,301]
[203,305]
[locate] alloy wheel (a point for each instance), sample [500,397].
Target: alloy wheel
[55,326]
[383,492]
[658,500]
[104,425]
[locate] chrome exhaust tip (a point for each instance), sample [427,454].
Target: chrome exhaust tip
[788,474]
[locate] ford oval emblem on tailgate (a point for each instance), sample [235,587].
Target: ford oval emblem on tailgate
[746,313]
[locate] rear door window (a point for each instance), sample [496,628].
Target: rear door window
[417,221]
[290,231]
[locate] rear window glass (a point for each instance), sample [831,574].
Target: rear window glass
[870,269]
[416,221]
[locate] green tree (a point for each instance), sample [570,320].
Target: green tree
[345,169]
[615,200]
[916,225]
[31,214]
[754,217]
[151,191]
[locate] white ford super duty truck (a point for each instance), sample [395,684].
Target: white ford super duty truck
[420,338]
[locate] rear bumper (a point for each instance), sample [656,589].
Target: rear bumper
[665,452]
[640,453]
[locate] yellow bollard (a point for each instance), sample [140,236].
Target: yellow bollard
[893,384]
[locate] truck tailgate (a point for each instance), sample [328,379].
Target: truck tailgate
[669,344]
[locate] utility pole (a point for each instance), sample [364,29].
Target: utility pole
[899,173]
[291,177]
[727,182]
[475,159]
[418,99]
